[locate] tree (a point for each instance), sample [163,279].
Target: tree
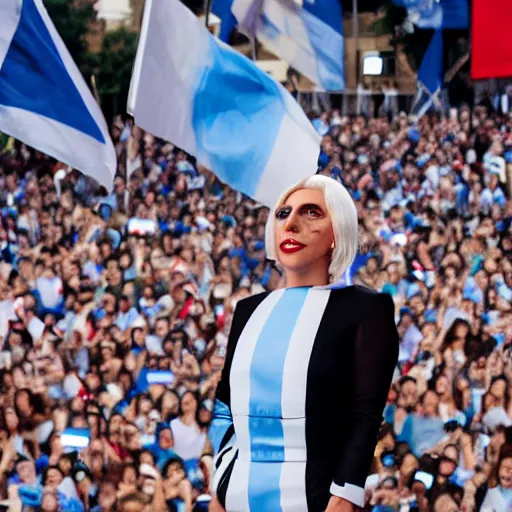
[73,20]
[112,66]
[114,69]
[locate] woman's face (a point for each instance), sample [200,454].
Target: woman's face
[11,420]
[145,406]
[23,403]
[498,388]
[461,331]
[442,385]
[505,473]
[115,424]
[53,478]
[188,403]
[145,458]
[129,476]
[170,402]
[49,503]
[130,362]
[303,231]
[205,416]
[65,466]
[174,470]
[409,465]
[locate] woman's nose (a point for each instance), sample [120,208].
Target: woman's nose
[292,223]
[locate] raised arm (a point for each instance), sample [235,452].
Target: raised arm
[375,358]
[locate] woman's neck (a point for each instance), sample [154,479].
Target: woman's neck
[188,418]
[309,277]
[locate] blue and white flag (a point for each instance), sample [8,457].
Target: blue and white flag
[447,14]
[222,9]
[430,77]
[44,100]
[198,93]
[307,34]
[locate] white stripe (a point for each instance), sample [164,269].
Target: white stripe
[240,377]
[292,486]
[165,78]
[302,158]
[11,12]
[350,492]
[237,496]
[293,45]
[64,143]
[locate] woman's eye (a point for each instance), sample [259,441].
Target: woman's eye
[310,212]
[283,213]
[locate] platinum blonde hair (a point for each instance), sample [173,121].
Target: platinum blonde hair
[343,214]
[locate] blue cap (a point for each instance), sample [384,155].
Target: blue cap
[414,134]
[413,290]
[404,310]
[422,160]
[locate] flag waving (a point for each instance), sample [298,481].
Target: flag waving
[430,77]
[307,34]
[44,100]
[214,103]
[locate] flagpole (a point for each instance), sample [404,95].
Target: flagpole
[355,33]
[95,89]
[207,16]
[254,48]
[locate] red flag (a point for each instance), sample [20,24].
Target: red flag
[491,52]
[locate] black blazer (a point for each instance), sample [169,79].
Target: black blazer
[350,370]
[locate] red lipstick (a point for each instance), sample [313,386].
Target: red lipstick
[290,246]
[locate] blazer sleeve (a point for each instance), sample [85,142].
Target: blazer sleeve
[375,358]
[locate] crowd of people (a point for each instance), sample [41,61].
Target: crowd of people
[115,311]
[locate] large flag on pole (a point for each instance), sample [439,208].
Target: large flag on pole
[430,77]
[44,101]
[447,14]
[203,96]
[222,9]
[491,51]
[308,34]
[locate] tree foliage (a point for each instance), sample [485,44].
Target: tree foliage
[73,19]
[116,61]
[112,66]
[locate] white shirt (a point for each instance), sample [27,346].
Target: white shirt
[50,290]
[188,440]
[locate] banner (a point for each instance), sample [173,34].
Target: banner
[491,48]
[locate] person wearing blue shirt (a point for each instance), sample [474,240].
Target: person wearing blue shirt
[424,430]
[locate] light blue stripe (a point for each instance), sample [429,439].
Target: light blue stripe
[237,114]
[266,439]
[327,11]
[329,52]
[264,492]
[266,380]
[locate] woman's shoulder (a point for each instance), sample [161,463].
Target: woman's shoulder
[363,294]
[249,304]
